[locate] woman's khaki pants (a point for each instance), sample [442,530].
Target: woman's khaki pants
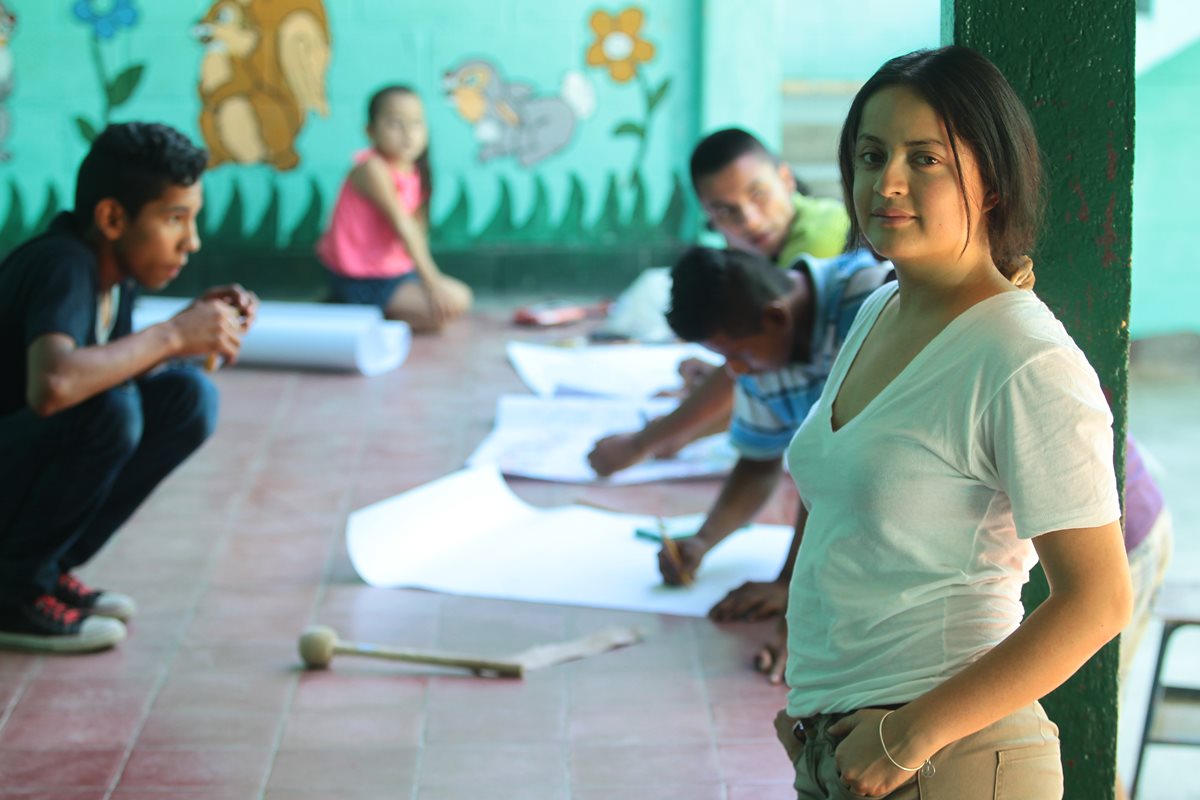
[1016,758]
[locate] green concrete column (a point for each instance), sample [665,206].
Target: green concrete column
[740,69]
[1071,61]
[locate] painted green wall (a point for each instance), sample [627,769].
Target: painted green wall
[848,41]
[608,203]
[1166,280]
[1082,103]
[740,68]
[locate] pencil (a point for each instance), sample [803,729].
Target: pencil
[672,551]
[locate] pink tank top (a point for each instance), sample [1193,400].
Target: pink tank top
[360,242]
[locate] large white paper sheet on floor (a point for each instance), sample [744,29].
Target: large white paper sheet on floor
[548,438]
[633,371]
[469,534]
[307,335]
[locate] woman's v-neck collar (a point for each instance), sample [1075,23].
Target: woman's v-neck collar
[934,344]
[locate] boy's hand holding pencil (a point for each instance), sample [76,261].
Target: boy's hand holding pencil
[679,558]
[240,307]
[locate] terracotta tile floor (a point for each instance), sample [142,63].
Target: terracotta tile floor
[242,548]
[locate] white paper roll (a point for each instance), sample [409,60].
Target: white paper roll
[306,335]
[467,533]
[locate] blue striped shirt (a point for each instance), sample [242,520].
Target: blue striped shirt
[769,407]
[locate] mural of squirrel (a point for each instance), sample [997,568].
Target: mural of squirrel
[263,70]
[8,23]
[508,119]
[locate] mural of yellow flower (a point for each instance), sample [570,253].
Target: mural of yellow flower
[618,45]
[619,48]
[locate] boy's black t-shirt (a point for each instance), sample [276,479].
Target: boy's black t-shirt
[49,285]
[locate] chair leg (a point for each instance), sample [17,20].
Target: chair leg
[1156,695]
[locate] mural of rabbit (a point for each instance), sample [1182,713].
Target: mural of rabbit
[509,119]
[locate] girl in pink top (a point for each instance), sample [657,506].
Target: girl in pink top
[377,245]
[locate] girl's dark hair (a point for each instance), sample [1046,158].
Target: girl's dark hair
[135,162]
[722,292]
[981,110]
[374,106]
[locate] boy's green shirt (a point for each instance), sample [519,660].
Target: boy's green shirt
[819,229]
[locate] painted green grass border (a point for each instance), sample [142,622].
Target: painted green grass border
[623,213]
[16,227]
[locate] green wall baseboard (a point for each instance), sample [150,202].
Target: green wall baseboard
[572,270]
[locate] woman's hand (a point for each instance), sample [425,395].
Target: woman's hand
[864,768]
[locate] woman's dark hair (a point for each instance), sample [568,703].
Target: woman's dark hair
[981,110]
[374,106]
[722,291]
[134,163]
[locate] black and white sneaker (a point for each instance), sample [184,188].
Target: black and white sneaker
[96,602]
[47,625]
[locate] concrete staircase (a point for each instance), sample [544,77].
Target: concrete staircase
[813,113]
[1164,27]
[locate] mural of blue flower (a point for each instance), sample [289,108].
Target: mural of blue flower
[106,16]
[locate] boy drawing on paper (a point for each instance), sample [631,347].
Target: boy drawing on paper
[778,331]
[751,198]
[91,418]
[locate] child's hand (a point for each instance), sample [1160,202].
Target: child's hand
[444,306]
[244,301]
[208,327]
[771,659]
[691,552]
[752,601]
[439,306]
[615,453]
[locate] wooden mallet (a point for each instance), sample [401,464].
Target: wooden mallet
[319,644]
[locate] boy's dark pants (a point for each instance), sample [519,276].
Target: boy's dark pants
[68,481]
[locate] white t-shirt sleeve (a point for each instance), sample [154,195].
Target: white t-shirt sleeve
[1046,441]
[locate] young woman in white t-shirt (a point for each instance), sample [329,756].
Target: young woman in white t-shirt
[961,437]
